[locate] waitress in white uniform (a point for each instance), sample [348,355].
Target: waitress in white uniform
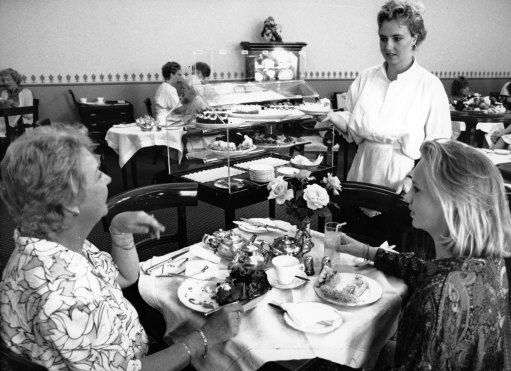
[394,107]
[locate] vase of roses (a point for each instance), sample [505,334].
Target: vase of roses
[303,199]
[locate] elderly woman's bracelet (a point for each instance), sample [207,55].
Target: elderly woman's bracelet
[205,343]
[131,245]
[189,353]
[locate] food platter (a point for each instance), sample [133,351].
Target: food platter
[197,294]
[233,124]
[369,296]
[224,154]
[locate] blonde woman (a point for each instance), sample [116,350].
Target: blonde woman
[454,317]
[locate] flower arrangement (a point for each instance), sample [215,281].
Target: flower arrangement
[306,200]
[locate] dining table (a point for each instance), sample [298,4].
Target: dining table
[477,120]
[264,334]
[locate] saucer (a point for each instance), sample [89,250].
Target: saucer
[272,279]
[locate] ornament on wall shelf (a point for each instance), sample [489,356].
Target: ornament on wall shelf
[59,78]
[50,78]
[149,77]
[85,77]
[93,77]
[141,75]
[101,77]
[271,30]
[133,76]
[68,77]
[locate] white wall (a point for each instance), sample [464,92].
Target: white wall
[86,37]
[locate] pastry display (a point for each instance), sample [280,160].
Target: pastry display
[272,139]
[252,109]
[212,116]
[146,123]
[242,284]
[477,103]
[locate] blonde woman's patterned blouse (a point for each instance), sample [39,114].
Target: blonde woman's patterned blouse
[454,317]
[66,310]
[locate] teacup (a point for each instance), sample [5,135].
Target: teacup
[101,100]
[83,100]
[286,267]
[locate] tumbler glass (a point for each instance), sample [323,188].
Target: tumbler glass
[332,241]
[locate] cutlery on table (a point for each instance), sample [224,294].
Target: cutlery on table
[246,303]
[186,276]
[279,306]
[170,259]
[261,224]
[302,278]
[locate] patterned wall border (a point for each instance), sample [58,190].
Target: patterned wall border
[221,76]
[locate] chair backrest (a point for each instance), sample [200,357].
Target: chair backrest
[14,362]
[148,106]
[394,224]
[13,132]
[152,198]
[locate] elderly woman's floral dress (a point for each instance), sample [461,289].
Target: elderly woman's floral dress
[66,311]
[453,319]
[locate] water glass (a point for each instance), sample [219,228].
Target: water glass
[332,241]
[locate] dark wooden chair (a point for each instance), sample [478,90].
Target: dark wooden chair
[152,198]
[10,361]
[394,224]
[13,132]
[149,106]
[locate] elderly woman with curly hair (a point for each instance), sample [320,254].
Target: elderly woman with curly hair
[454,317]
[61,302]
[393,107]
[14,95]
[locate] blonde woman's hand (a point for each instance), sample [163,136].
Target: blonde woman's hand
[404,186]
[138,222]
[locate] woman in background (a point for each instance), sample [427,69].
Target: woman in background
[61,303]
[506,89]
[167,98]
[14,95]
[454,317]
[394,107]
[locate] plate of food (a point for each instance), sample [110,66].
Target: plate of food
[238,145]
[274,141]
[257,112]
[347,289]
[224,153]
[239,285]
[316,109]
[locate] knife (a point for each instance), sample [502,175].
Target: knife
[172,258]
[264,225]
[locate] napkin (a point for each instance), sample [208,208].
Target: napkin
[301,315]
[201,252]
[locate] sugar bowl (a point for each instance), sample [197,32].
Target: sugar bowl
[224,243]
[286,246]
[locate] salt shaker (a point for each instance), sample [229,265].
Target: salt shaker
[309,266]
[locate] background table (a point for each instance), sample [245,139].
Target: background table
[264,336]
[471,120]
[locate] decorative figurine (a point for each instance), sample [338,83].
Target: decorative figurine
[271,30]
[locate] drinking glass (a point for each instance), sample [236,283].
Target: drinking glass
[332,241]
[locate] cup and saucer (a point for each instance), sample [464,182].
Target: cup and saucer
[283,274]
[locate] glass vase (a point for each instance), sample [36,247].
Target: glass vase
[303,237]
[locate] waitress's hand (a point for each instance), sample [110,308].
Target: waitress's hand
[337,120]
[404,186]
[136,222]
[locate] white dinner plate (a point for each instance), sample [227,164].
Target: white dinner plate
[250,228]
[272,279]
[371,295]
[232,153]
[199,295]
[318,111]
[322,311]
[262,115]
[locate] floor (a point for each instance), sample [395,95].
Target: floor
[201,219]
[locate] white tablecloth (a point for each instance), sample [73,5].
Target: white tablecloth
[126,141]
[264,335]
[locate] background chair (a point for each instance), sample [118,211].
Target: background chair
[10,361]
[152,198]
[148,106]
[13,132]
[394,224]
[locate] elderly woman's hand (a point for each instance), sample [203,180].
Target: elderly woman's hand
[136,222]
[224,324]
